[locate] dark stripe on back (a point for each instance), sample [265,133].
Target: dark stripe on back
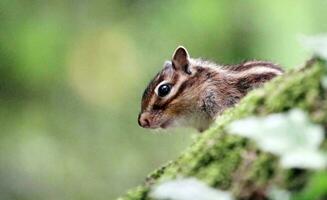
[247,83]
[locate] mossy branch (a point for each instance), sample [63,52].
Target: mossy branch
[233,163]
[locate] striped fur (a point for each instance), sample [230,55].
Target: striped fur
[201,91]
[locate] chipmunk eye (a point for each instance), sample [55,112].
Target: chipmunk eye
[164,89]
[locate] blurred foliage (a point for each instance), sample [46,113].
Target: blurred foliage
[316,188]
[72,73]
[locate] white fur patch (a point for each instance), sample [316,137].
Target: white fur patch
[257,70]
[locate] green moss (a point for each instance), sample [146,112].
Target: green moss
[315,189]
[263,169]
[219,159]
[137,193]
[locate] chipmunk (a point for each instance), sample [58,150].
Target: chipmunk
[193,92]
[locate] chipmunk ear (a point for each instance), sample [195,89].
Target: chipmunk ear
[180,59]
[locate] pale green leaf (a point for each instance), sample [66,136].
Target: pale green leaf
[187,189]
[289,135]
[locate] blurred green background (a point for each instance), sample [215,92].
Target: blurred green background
[72,74]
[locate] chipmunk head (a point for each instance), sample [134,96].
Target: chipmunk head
[168,97]
[193,91]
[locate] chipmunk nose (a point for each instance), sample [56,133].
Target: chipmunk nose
[144,120]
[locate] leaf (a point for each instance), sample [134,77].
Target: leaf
[187,189]
[317,44]
[289,135]
[304,159]
[324,82]
[275,193]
